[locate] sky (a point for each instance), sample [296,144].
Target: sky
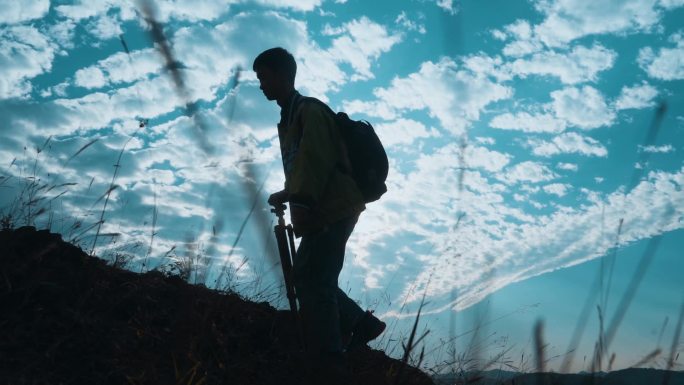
[535,150]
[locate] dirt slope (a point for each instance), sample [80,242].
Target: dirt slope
[68,318]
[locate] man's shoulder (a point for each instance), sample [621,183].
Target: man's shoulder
[311,106]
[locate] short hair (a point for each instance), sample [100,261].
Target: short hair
[278,60]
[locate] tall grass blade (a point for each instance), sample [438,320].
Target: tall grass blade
[256,197]
[650,138]
[539,348]
[154,225]
[637,277]
[80,150]
[111,188]
[410,344]
[39,150]
[648,358]
[580,325]
[173,66]
[662,330]
[611,264]
[675,344]
[125,46]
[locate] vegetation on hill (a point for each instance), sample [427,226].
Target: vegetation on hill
[69,318]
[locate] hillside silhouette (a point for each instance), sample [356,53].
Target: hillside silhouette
[630,376]
[69,318]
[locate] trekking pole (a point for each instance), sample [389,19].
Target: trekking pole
[286,249]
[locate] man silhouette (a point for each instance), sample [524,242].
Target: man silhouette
[325,204]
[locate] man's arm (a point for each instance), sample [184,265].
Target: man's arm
[278,198]
[316,159]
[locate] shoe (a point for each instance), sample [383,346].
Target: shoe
[367,329]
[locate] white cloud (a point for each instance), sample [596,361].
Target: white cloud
[581,64]
[558,189]
[83,9]
[98,109]
[527,122]
[667,63]
[499,35]
[637,96]
[120,68]
[568,143]
[239,40]
[486,159]
[14,11]
[520,48]
[410,25]
[521,32]
[24,54]
[568,20]
[165,10]
[669,4]
[62,33]
[209,55]
[375,108]
[363,42]
[564,238]
[299,5]
[527,171]
[582,107]
[402,132]
[91,77]
[664,149]
[329,30]
[567,166]
[520,29]
[489,66]
[453,96]
[447,5]
[105,27]
[485,140]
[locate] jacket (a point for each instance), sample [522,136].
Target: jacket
[313,153]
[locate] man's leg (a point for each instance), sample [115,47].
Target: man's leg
[350,315]
[317,265]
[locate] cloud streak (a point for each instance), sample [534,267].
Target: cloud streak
[559,240]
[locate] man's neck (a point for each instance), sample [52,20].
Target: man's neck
[285,101]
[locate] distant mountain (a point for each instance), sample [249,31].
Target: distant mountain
[487,377]
[68,318]
[634,376]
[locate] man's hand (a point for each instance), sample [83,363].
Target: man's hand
[278,198]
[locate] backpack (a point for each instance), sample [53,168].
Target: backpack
[367,156]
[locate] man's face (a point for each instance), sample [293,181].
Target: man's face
[269,82]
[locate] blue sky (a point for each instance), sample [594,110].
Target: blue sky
[520,135]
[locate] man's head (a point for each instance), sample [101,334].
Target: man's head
[276,70]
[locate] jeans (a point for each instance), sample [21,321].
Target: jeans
[325,309]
